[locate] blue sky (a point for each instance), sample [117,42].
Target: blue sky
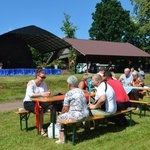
[48,14]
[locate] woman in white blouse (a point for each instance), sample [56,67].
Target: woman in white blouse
[36,88]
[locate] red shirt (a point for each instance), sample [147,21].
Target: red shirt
[121,95]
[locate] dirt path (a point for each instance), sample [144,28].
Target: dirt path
[10,106]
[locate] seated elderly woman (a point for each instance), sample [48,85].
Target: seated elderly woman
[138,82]
[74,107]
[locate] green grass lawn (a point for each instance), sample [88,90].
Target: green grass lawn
[108,136]
[136,137]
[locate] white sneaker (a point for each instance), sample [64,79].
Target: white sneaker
[59,142]
[137,109]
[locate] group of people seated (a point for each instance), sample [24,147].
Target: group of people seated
[109,97]
[136,79]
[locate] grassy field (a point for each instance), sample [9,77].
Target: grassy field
[108,136]
[13,88]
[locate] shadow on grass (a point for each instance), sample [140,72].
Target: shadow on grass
[31,128]
[99,131]
[45,126]
[142,115]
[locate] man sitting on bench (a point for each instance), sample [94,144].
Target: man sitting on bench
[121,97]
[105,95]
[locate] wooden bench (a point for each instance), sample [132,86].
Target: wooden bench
[91,118]
[23,116]
[141,104]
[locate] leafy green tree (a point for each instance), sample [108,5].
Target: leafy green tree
[142,16]
[111,23]
[69,29]
[142,11]
[39,59]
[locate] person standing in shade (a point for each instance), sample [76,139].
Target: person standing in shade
[141,73]
[101,71]
[1,65]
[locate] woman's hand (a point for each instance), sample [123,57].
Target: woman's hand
[46,94]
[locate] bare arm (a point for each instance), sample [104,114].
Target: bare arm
[99,103]
[31,93]
[44,94]
[81,85]
[65,109]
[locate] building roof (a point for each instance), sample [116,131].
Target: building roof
[14,46]
[38,38]
[104,48]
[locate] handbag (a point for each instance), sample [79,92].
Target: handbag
[50,131]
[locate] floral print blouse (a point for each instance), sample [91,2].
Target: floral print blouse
[78,108]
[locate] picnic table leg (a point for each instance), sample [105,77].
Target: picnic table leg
[24,117]
[39,120]
[73,133]
[65,133]
[53,120]
[37,113]
[140,105]
[145,110]
[26,121]
[130,113]
[20,122]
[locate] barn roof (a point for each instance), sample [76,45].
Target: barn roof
[104,48]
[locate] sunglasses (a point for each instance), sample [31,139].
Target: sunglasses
[42,77]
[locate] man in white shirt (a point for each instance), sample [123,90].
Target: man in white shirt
[105,95]
[126,78]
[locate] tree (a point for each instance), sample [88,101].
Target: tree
[39,59]
[69,29]
[142,15]
[142,11]
[111,23]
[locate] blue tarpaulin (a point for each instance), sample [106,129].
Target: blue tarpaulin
[27,71]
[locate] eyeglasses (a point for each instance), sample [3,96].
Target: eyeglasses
[43,77]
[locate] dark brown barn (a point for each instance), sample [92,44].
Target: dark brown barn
[120,54]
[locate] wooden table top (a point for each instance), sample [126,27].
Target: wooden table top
[54,98]
[49,99]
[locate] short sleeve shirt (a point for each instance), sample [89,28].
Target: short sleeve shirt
[126,79]
[110,103]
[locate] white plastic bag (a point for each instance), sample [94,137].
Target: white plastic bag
[50,131]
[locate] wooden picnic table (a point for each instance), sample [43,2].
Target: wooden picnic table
[128,89]
[52,100]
